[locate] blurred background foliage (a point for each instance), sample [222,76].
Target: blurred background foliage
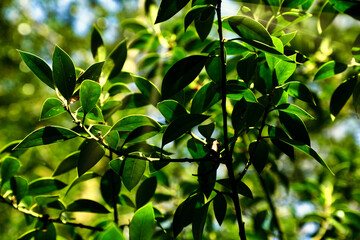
[310,202]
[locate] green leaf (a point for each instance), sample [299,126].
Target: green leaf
[329,69]
[142,224]
[45,185]
[110,186]
[95,114]
[82,178]
[184,214]
[356,49]
[90,92]
[291,108]
[196,148]
[51,108]
[213,66]
[306,149]
[220,206]
[142,133]
[118,56]
[116,165]
[284,70]
[246,115]
[112,137]
[63,73]
[171,109]
[148,89]
[19,186]
[237,90]
[134,100]
[286,38]
[145,191]
[169,8]
[86,205]
[39,67]
[28,235]
[349,7]
[295,127]
[242,188]
[181,125]
[293,3]
[9,166]
[205,97]
[275,132]
[198,222]
[246,67]
[248,28]
[47,232]
[70,162]
[181,74]
[207,177]
[97,44]
[133,25]
[92,73]
[259,152]
[326,16]
[194,13]
[204,23]
[117,88]
[50,201]
[207,130]
[341,95]
[46,135]
[299,91]
[133,171]
[112,232]
[132,122]
[91,153]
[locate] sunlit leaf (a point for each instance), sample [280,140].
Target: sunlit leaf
[89,95]
[169,8]
[181,74]
[39,67]
[356,49]
[329,69]
[299,91]
[286,38]
[291,108]
[181,125]
[92,73]
[205,97]
[142,224]
[42,186]
[46,135]
[86,205]
[326,16]
[112,232]
[82,178]
[91,153]
[131,122]
[133,171]
[63,73]
[349,7]
[51,108]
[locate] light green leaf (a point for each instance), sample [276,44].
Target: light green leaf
[51,108]
[117,88]
[69,163]
[63,73]
[39,67]
[133,171]
[291,108]
[42,186]
[131,122]
[90,92]
[329,69]
[299,91]
[112,232]
[181,74]
[248,28]
[284,69]
[86,205]
[82,178]
[95,114]
[286,38]
[142,224]
[46,135]
[116,166]
[91,153]
[181,125]
[169,8]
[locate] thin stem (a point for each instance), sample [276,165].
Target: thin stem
[272,208]
[227,153]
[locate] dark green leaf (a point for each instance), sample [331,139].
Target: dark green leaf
[39,67]
[50,201]
[169,8]
[95,114]
[51,108]
[213,66]
[133,25]
[295,127]
[133,171]
[237,90]
[110,186]
[198,222]
[91,153]
[356,49]
[293,3]
[275,132]
[96,44]
[197,148]
[86,205]
[204,23]
[242,188]
[145,191]
[349,7]
[82,178]
[341,95]
[9,166]
[116,166]
[134,100]
[118,56]
[171,109]
[181,74]
[207,130]
[329,69]
[220,206]
[291,108]
[69,163]
[246,115]
[132,122]
[299,91]
[246,67]
[28,235]
[194,13]
[63,73]
[89,95]
[45,185]
[117,88]
[47,232]
[19,186]
[184,214]
[148,89]
[46,135]
[207,177]
[326,16]
[248,28]
[181,125]
[112,232]
[142,133]
[205,97]
[142,224]
[259,152]
[92,73]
